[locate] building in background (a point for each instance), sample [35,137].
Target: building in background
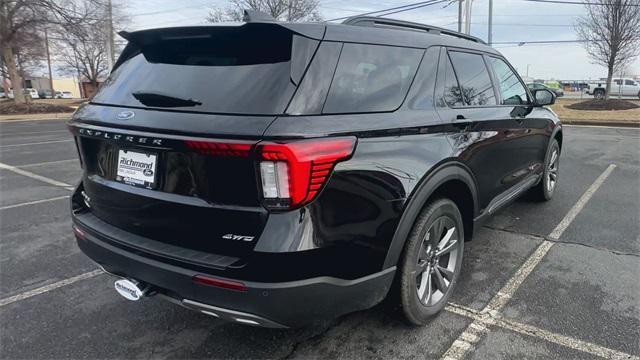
[68,84]
[42,84]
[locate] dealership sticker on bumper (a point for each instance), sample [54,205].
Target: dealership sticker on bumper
[136,168]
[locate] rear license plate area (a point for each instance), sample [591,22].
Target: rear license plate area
[137,168]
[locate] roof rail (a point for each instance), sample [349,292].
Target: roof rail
[373,21]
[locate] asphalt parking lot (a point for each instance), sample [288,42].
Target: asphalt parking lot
[541,280]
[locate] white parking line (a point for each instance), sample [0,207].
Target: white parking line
[47,288]
[37,143]
[34,202]
[464,342]
[562,226]
[35,176]
[604,127]
[47,163]
[485,320]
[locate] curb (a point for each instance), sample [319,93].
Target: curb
[31,117]
[614,123]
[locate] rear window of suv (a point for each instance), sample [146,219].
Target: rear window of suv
[250,69]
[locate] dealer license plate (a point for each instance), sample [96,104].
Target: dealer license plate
[136,168]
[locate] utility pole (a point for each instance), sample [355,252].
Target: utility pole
[528,65]
[46,42]
[460,15]
[110,41]
[490,35]
[467,16]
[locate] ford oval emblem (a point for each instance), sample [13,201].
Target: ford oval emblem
[129,290]
[126,115]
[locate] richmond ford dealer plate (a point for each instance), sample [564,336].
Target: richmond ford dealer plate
[135,168]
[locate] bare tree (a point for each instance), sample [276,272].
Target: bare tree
[28,56]
[285,10]
[82,49]
[611,31]
[20,17]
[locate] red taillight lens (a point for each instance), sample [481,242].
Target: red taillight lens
[293,173]
[217,148]
[221,283]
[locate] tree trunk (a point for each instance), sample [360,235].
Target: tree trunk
[16,81]
[607,89]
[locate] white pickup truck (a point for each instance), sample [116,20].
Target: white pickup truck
[619,87]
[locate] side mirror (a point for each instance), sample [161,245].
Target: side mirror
[543,97]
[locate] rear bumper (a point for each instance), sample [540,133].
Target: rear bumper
[282,304]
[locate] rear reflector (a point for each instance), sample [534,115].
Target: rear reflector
[221,283]
[293,173]
[79,233]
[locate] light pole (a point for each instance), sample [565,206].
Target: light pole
[490,35]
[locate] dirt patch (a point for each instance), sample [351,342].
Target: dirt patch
[603,105]
[11,108]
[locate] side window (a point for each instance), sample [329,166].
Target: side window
[617,81]
[452,93]
[473,77]
[313,90]
[630,82]
[422,91]
[511,89]
[371,78]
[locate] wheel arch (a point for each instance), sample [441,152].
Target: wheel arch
[452,180]
[557,134]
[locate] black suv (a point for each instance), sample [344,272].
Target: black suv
[275,173]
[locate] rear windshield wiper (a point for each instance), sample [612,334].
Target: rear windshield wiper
[160,100]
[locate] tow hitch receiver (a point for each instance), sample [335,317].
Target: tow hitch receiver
[131,289]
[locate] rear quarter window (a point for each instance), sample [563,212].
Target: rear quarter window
[473,77]
[371,78]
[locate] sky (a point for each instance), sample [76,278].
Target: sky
[514,21]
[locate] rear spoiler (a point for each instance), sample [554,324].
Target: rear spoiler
[141,37]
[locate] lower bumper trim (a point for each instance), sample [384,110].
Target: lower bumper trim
[225,314]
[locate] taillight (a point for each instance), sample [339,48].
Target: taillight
[293,173]
[218,148]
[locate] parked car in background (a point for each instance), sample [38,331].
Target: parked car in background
[31,92]
[28,91]
[619,87]
[2,95]
[45,94]
[538,86]
[341,158]
[64,95]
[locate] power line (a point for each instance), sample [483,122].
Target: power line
[522,43]
[389,9]
[575,2]
[413,8]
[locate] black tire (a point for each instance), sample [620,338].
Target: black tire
[432,227]
[598,94]
[547,186]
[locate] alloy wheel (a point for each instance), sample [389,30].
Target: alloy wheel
[437,261]
[552,171]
